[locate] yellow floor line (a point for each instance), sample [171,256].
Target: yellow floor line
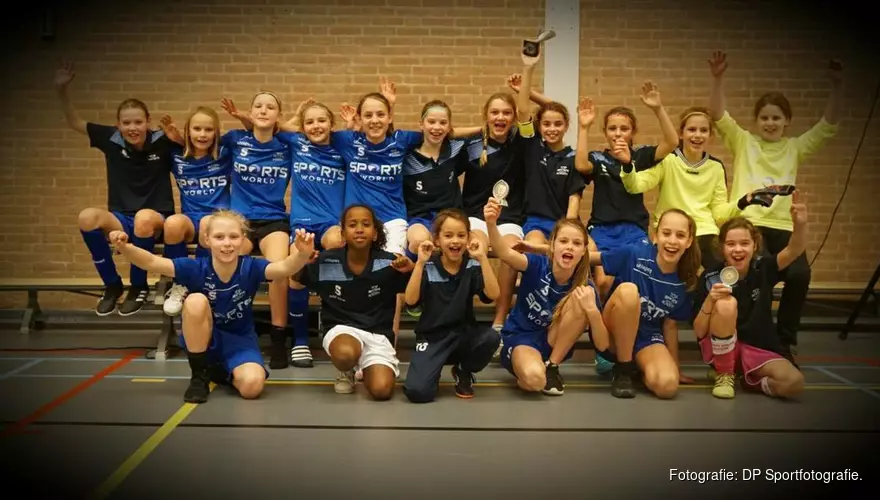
[148,380]
[136,458]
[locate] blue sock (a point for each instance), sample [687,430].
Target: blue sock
[298,315]
[202,252]
[176,250]
[139,276]
[102,256]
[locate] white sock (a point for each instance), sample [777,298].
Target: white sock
[765,386]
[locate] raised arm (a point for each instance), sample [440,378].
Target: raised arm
[797,244]
[586,115]
[523,107]
[832,109]
[241,116]
[166,123]
[514,81]
[413,293]
[141,258]
[63,77]
[490,282]
[717,104]
[651,98]
[508,255]
[295,262]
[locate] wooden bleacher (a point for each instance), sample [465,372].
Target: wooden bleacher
[32,317]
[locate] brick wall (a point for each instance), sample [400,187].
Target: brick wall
[175,55]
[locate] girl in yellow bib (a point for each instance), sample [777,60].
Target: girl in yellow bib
[768,158]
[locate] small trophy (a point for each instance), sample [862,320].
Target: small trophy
[533,48]
[729,276]
[500,192]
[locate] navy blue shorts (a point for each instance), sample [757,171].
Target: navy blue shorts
[537,342]
[318,229]
[231,350]
[427,222]
[643,340]
[542,224]
[611,236]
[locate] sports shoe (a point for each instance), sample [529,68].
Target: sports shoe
[174,297]
[134,300]
[603,366]
[622,385]
[555,386]
[724,388]
[344,382]
[497,354]
[107,303]
[464,383]
[301,357]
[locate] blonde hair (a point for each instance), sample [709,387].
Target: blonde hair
[581,271]
[277,127]
[696,111]
[189,148]
[504,96]
[225,213]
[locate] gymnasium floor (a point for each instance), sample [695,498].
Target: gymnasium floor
[113,424]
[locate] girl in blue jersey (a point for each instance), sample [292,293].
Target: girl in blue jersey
[651,291]
[139,194]
[202,169]
[317,194]
[555,303]
[261,173]
[217,322]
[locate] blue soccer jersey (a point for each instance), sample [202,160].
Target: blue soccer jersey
[261,172]
[536,299]
[375,171]
[318,190]
[204,183]
[231,302]
[662,295]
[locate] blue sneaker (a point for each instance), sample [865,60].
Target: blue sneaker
[603,366]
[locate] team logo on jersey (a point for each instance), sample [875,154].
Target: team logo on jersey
[205,186]
[670,300]
[256,174]
[374,291]
[373,172]
[320,174]
[650,311]
[562,170]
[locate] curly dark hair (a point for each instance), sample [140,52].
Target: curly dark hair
[381,237]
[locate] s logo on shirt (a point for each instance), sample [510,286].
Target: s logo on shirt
[418,185]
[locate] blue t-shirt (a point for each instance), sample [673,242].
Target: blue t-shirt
[318,183]
[536,299]
[261,174]
[375,171]
[203,182]
[662,295]
[231,302]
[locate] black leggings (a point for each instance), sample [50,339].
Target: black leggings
[797,283]
[708,250]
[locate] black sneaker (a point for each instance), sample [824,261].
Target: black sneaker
[622,385]
[198,389]
[555,386]
[301,357]
[464,383]
[278,359]
[107,303]
[134,300]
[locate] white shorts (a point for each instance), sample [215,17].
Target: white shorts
[376,349]
[503,229]
[395,232]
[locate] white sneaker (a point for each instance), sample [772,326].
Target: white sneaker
[344,383]
[173,303]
